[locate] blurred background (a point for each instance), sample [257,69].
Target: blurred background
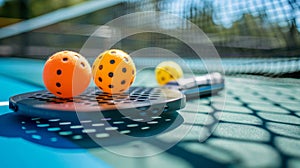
[238,29]
[257,40]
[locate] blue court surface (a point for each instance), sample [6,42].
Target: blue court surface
[257,127]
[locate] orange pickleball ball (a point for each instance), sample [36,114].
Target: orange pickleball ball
[66,74]
[113,71]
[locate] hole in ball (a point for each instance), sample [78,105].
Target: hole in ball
[111,86]
[82,64]
[112,61]
[77,56]
[113,52]
[110,74]
[65,59]
[123,82]
[58,93]
[100,79]
[124,70]
[58,84]
[125,59]
[100,67]
[58,72]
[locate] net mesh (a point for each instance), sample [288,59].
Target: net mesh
[249,25]
[252,28]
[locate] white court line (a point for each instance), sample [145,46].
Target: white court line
[4,103]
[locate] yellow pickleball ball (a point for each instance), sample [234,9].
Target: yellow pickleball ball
[167,71]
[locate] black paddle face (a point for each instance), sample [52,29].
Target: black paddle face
[137,102]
